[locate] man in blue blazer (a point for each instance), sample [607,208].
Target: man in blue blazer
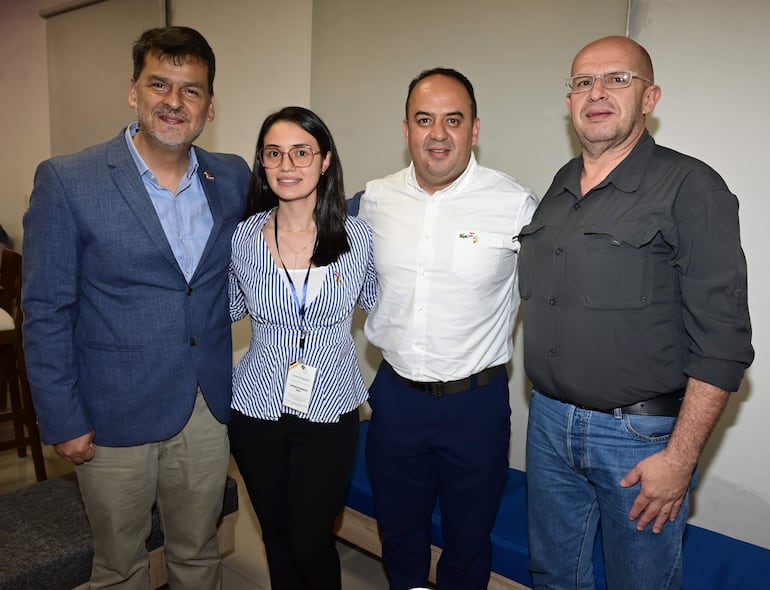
[127,331]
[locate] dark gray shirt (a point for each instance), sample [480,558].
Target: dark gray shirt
[639,284]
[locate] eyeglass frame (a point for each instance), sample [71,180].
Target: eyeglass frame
[569,81]
[288,153]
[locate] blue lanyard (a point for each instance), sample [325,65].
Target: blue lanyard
[300,304]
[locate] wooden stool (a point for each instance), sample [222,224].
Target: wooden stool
[13,373]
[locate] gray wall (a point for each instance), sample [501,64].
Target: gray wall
[515,52]
[351,61]
[87,93]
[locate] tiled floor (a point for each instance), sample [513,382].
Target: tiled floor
[246,568]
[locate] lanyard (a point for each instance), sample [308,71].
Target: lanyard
[300,304]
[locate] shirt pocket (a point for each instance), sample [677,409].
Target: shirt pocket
[477,256]
[618,266]
[528,240]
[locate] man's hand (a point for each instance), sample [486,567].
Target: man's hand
[78,450]
[665,476]
[664,485]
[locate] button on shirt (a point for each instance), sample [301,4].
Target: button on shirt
[447,266]
[184,214]
[636,286]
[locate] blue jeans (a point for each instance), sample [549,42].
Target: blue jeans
[575,460]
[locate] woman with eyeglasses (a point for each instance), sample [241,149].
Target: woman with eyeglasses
[299,266]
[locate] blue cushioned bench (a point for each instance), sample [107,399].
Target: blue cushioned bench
[712,561]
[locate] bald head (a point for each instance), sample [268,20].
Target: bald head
[615,49]
[609,118]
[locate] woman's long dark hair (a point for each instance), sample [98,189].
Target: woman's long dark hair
[330,209]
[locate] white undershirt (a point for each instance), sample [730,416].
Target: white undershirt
[314,282]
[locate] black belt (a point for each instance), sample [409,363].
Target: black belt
[440,388]
[667,404]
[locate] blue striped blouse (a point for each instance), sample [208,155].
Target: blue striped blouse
[257,289]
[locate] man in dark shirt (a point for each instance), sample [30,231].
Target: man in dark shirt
[636,330]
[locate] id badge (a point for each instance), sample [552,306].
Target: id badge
[299,386]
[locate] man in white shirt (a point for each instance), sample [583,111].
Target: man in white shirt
[445,250]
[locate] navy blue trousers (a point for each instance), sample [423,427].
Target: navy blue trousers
[452,449]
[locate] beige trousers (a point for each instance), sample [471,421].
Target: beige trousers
[185,476]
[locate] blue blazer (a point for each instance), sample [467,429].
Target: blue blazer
[116,340]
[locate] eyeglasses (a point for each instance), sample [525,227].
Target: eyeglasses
[301,156]
[610,81]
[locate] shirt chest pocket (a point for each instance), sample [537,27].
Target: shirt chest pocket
[617,270]
[479,256]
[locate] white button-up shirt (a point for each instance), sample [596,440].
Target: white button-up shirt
[447,269]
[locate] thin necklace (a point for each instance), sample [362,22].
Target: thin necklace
[288,245]
[300,303]
[297,231]
[296,254]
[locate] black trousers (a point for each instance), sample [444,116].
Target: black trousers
[296,473]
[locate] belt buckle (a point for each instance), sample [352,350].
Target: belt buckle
[437,388]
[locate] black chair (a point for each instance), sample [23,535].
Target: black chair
[13,372]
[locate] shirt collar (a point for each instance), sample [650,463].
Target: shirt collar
[626,176]
[456,186]
[141,165]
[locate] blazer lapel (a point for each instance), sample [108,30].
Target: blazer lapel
[210,187]
[129,182]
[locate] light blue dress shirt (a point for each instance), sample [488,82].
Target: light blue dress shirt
[184,214]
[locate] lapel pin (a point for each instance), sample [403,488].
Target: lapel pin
[207,175]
